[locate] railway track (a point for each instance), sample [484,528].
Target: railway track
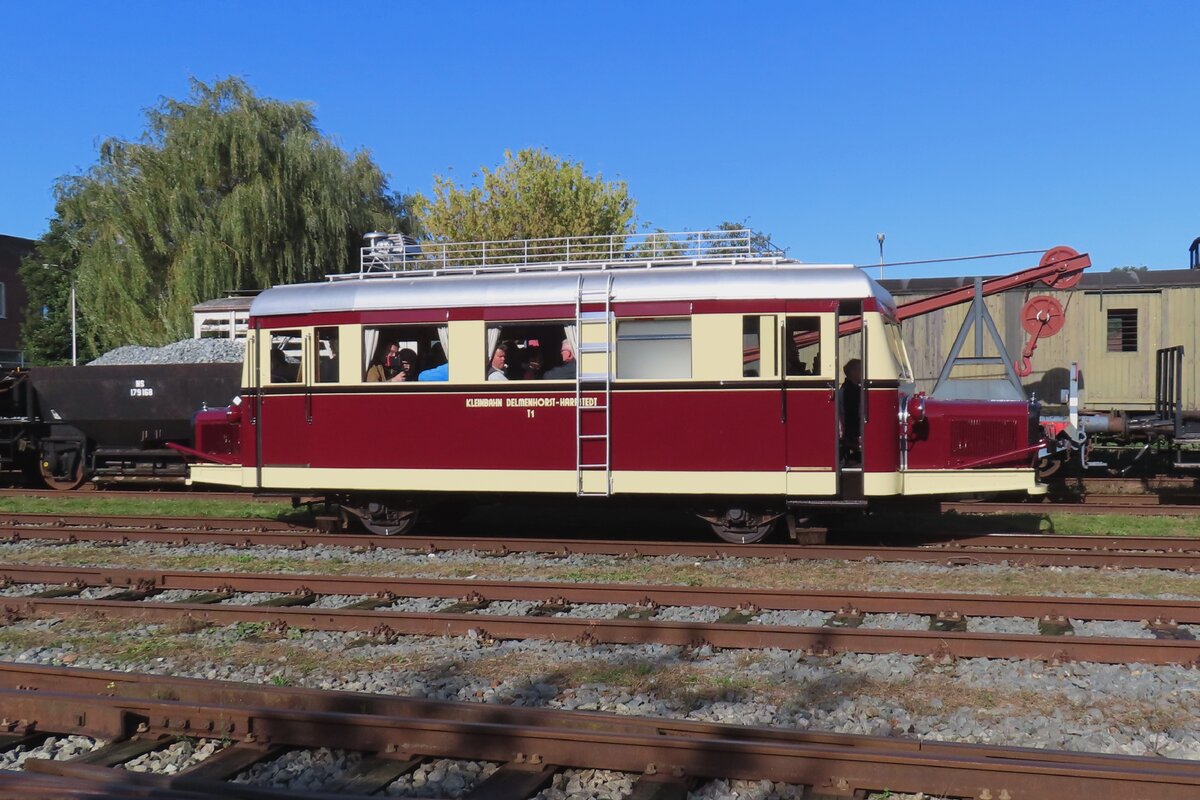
[136,714]
[1171,553]
[205,594]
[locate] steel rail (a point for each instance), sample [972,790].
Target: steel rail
[109,522]
[557,593]
[820,641]
[112,705]
[1169,553]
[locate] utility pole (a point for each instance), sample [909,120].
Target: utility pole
[879,237]
[74,360]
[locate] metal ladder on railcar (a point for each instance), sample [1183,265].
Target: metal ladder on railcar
[593,373]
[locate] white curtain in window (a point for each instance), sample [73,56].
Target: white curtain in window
[444,338]
[370,343]
[572,333]
[493,339]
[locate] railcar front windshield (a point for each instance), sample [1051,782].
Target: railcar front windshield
[895,341]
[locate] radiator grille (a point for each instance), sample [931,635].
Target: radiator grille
[977,438]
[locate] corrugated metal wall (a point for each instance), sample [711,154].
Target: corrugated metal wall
[1111,380]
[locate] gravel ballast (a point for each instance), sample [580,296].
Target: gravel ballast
[186,351]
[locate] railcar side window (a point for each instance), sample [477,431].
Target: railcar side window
[896,342]
[751,348]
[327,353]
[403,353]
[530,351]
[287,357]
[802,346]
[654,348]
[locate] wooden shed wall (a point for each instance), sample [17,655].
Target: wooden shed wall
[1111,380]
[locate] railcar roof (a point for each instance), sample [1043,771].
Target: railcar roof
[783,280]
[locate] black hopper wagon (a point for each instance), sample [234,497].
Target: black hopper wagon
[71,425]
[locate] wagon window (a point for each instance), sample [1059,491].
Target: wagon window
[802,346]
[429,343]
[286,363]
[530,351]
[1122,330]
[327,352]
[654,348]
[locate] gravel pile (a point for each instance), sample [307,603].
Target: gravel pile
[690,614]
[749,790]
[795,619]
[1002,625]
[895,622]
[301,770]
[55,748]
[419,605]
[508,608]
[252,598]
[593,610]
[187,351]
[175,758]
[588,784]
[22,589]
[441,778]
[337,600]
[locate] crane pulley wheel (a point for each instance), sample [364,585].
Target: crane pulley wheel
[1067,278]
[1042,316]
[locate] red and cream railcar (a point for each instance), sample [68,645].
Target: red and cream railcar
[712,376]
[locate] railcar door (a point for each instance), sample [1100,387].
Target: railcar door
[808,364]
[285,402]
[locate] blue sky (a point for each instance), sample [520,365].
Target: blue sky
[954,128]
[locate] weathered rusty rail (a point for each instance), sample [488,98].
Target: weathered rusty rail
[947,636]
[560,593]
[137,713]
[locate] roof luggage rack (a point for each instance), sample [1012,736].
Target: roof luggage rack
[396,255]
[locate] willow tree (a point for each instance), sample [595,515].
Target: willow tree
[224,190]
[532,195]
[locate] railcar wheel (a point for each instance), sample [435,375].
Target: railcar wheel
[382,520]
[1049,467]
[63,471]
[739,526]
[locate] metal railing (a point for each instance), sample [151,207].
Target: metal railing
[389,255]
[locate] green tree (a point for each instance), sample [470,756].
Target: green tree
[224,190]
[47,274]
[532,195]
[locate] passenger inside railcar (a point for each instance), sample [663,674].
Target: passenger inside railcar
[529,355]
[566,370]
[327,352]
[282,371]
[802,343]
[498,364]
[387,351]
[851,396]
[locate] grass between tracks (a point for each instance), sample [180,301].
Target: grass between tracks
[148,507]
[1032,522]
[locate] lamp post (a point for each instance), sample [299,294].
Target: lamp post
[879,237]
